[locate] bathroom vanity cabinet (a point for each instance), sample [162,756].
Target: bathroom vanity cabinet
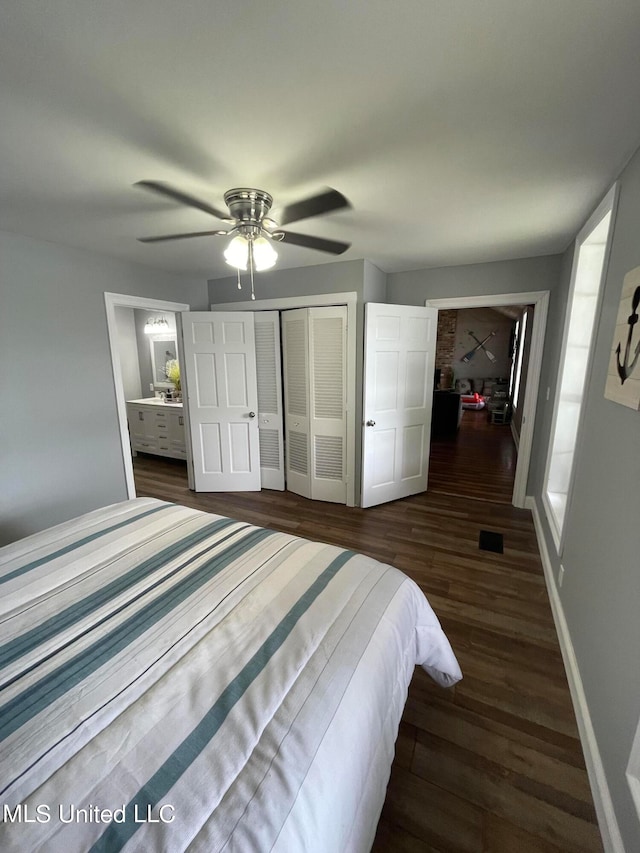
[157,427]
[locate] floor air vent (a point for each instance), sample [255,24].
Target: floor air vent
[490,541]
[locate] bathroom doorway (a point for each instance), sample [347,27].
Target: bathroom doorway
[121,326]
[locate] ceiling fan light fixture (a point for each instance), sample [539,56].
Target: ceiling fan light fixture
[264,255]
[254,232]
[237,252]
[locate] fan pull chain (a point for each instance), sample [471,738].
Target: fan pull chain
[253,296]
[239,284]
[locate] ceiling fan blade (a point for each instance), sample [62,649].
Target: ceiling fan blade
[183,198]
[334,247]
[179,236]
[316,205]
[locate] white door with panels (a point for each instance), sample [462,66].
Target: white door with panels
[270,417]
[399,358]
[222,400]
[315,382]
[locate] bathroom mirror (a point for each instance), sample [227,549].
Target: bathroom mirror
[163,349]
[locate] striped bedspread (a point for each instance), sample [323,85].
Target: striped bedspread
[173,680]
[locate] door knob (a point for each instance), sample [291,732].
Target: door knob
[252,414]
[371,423]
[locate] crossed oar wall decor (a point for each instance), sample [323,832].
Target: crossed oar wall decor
[480,345]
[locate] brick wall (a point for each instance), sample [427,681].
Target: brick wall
[446,345]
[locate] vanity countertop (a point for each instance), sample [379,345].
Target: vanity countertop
[155,401]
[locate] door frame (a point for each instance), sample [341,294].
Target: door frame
[121,300]
[540,300]
[348,298]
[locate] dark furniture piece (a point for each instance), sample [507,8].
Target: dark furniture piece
[447,413]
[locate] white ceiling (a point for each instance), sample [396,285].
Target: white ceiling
[460,130]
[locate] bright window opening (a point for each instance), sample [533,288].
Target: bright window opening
[521,336]
[514,357]
[584,298]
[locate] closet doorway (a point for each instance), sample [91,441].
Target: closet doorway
[246,434]
[317,324]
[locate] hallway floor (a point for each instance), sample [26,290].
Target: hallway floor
[479,461]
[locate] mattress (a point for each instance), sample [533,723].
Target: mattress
[172,680]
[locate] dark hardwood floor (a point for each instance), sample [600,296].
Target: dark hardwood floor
[479,461]
[493,765]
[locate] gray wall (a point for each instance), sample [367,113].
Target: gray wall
[61,453]
[412,288]
[127,344]
[144,352]
[549,374]
[301,281]
[601,588]
[375,284]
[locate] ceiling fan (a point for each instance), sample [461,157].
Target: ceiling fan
[252,230]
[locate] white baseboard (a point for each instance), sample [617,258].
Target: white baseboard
[611,838]
[516,436]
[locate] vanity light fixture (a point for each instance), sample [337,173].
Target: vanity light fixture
[156,326]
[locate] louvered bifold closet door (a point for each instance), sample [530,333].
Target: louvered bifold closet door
[270,420]
[327,394]
[295,350]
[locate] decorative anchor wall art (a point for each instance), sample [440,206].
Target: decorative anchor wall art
[623,376]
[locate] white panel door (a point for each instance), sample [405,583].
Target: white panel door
[270,419]
[399,357]
[222,400]
[295,351]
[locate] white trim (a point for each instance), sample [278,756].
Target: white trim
[493,300]
[121,300]
[515,435]
[549,512]
[607,205]
[608,824]
[350,299]
[346,297]
[633,770]
[540,300]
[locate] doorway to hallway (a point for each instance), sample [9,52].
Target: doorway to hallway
[530,376]
[477,461]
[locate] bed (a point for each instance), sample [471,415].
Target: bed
[173,680]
